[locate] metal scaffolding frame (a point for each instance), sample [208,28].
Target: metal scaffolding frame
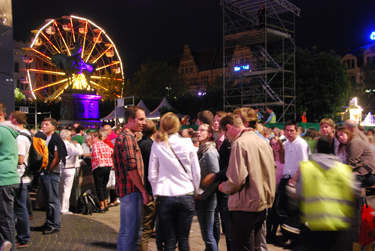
[259,56]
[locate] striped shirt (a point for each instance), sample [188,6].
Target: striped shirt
[127,157]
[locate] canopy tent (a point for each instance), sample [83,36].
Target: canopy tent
[155,114]
[119,112]
[142,105]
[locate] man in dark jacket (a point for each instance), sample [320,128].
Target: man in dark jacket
[50,179]
[149,210]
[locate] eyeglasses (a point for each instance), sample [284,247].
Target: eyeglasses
[202,130]
[275,144]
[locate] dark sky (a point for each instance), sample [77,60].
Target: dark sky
[158,29]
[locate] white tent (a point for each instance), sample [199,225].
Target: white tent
[155,114]
[369,120]
[142,105]
[119,112]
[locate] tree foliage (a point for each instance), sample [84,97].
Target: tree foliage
[322,84]
[368,92]
[157,80]
[110,86]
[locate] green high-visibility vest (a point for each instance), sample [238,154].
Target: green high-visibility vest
[273,120]
[328,197]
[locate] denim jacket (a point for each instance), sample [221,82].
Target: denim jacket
[209,163]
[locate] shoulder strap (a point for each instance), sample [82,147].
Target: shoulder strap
[178,159]
[27,135]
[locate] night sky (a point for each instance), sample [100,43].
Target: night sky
[158,29]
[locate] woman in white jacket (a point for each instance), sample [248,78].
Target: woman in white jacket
[174,174]
[74,150]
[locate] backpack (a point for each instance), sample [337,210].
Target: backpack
[38,155]
[86,203]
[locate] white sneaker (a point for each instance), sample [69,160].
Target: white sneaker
[67,212]
[6,246]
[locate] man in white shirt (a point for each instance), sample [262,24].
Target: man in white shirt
[296,150]
[21,212]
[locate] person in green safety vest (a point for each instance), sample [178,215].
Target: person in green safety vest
[326,189]
[271,117]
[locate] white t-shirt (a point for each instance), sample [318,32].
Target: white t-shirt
[295,152]
[24,144]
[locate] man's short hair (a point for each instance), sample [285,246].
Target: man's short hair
[79,129]
[20,117]
[131,112]
[206,117]
[324,144]
[149,128]
[221,114]
[292,122]
[362,128]
[327,121]
[248,115]
[230,119]
[52,121]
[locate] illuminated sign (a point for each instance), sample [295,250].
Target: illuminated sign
[372,35]
[243,67]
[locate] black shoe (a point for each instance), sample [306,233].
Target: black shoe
[100,211]
[106,209]
[51,230]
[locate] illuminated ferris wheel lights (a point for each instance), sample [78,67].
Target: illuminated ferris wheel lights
[60,36]
[28,75]
[37,34]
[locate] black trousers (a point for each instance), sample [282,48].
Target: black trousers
[246,237]
[101,177]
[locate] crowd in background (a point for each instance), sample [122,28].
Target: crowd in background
[233,169]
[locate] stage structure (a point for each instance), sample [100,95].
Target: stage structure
[259,56]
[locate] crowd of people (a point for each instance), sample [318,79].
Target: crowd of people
[233,169]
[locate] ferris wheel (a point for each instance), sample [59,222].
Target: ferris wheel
[79,40]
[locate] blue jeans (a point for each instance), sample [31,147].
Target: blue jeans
[22,214]
[222,206]
[7,230]
[206,214]
[50,183]
[176,214]
[131,207]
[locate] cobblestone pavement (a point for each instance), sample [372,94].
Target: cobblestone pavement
[99,232]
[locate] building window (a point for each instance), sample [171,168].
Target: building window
[204,80]
[191,69]
[182,71]
[186,56]
[193,81]
[45,77]
[187,69]
[16,67]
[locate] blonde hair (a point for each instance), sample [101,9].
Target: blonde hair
[169,124]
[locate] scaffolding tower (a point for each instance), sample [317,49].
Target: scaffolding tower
[259,56]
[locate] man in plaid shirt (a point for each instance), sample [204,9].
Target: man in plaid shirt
[129,171]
